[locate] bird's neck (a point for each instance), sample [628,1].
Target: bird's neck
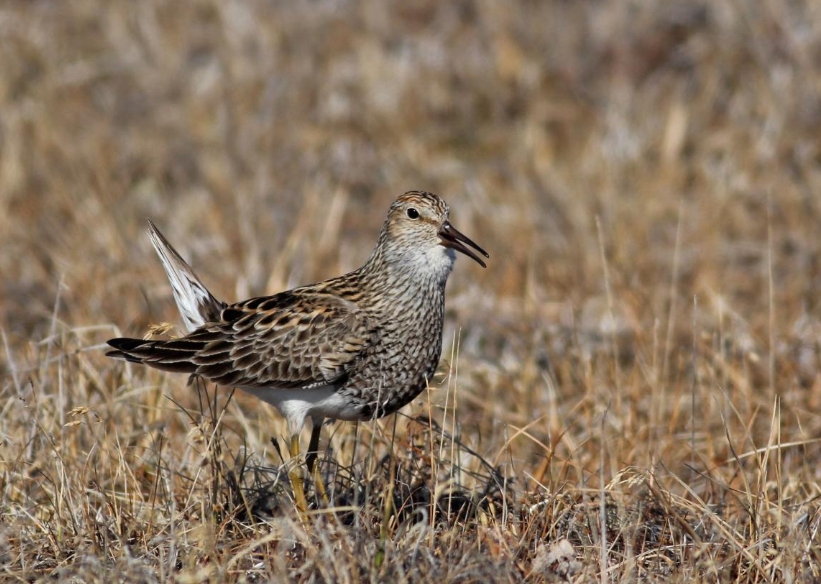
[405,278]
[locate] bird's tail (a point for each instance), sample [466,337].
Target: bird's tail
[175,355]
[195,303]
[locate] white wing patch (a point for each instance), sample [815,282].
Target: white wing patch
[196,304]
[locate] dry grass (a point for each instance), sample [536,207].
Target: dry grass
[634,386]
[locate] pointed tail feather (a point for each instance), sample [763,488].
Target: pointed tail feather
[174,356]
[196,304]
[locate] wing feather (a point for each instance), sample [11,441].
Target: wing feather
[288,340]
[295,339]
[196,304]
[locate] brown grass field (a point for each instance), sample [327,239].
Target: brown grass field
[630,392]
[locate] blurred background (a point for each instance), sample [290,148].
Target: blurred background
[645,176]
[267,139]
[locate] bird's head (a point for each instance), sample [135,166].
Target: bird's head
[418,231]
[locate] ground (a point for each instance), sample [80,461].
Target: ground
[630,391]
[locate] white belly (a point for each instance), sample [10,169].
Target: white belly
[297,404]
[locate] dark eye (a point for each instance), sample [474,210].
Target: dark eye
[413,213]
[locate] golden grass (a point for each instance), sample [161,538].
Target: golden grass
[632,390]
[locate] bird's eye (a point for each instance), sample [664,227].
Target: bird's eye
[413,213]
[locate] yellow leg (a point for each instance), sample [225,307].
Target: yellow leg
[313,467]
[295,474]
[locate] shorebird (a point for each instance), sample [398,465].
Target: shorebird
[356,347]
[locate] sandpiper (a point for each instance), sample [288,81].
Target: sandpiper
[355,347]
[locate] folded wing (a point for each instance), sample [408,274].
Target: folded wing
[289,340]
